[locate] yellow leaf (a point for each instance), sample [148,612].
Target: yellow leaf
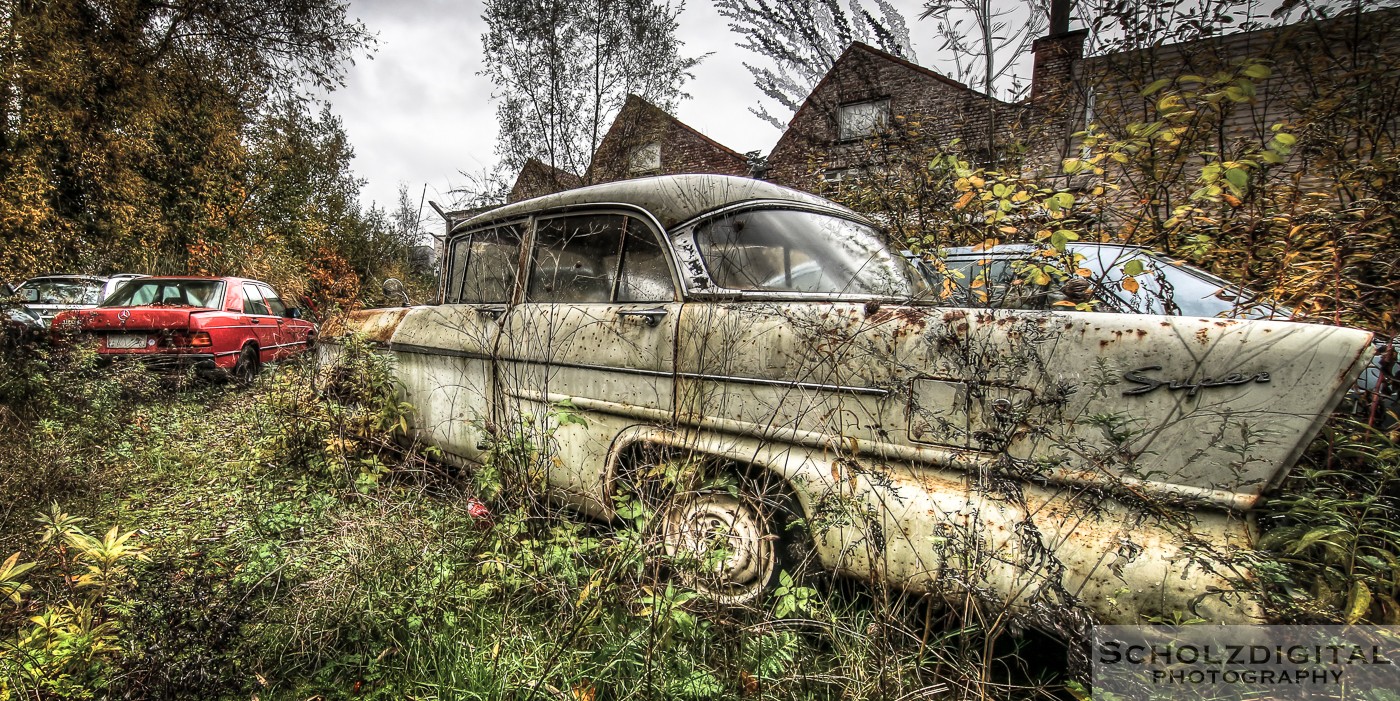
[962,201]
[1084,272]
[1130,284]
[584,594]
[1360,603]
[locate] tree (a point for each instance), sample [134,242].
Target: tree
[986,39]
[803,38]
[123,122]
[563,69]
[407,217]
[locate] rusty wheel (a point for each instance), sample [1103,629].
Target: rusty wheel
[722,545]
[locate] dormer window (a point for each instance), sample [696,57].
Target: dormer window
[859,120]
[645,159]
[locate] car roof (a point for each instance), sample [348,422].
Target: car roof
[92,278]
[671,199]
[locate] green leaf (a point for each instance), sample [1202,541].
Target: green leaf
[1257,71]
[1156,86]
[1133,267]
[1237,177]
[1285,139]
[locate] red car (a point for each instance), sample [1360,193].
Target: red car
[219,327]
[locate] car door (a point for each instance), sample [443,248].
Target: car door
[594,337]
[262,324]
[446,352]
[290,334]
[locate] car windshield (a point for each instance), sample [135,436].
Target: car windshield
[168,293]
[61,291]
[778,250]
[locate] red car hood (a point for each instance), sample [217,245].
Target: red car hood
[132,318]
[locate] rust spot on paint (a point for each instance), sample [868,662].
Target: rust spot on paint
[1203,336]
[377,325]
[1142,333]
[955,315]
[1103,343]
[909,318]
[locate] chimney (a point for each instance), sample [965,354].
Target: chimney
[1059,17]
[1052,78]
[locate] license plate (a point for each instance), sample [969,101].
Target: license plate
[126,340]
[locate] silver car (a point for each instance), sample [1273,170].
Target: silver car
[792,385]
[47,295]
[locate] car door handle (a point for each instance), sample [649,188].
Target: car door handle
[651,317]
[494,311]
[255,321]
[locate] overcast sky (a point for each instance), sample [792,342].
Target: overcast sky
[418,113]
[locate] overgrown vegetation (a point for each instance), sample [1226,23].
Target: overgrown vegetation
[179,541]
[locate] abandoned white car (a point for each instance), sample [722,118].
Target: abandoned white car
[1090,467]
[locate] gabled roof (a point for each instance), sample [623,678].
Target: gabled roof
[860,48]
[638,103]
[638,113]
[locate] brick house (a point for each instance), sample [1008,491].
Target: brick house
[873,108]
[645,140]
[538,178]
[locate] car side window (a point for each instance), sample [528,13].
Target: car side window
[253,301]
[274,303]
[645,276]
[779,250]
[575,259]
[483,266]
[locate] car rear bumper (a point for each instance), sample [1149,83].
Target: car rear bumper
[202,363]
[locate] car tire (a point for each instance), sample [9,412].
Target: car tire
[248,365]
[748,524]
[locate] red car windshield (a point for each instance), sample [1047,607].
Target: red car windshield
[208,294]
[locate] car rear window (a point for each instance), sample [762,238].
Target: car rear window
[207,294]
[61,292]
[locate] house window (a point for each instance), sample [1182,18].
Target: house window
[862,119]
[645,159]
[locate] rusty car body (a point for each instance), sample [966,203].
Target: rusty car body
[1099,466]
